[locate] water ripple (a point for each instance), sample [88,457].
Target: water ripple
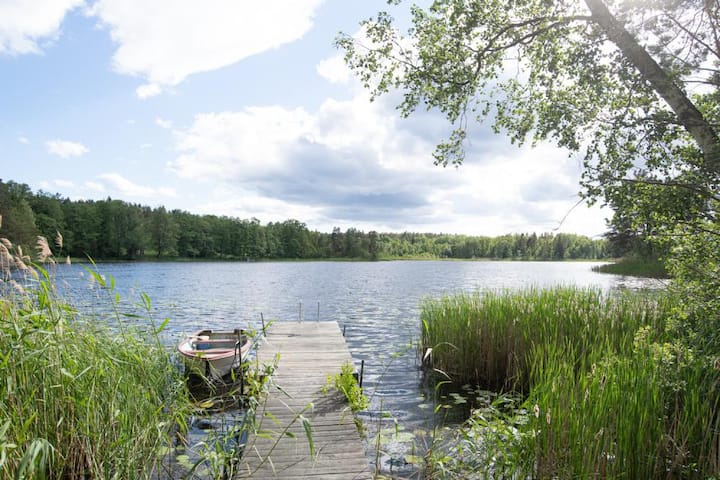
[376,302]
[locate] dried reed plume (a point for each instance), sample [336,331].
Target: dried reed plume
[43,249]
[21,261]
[6,260]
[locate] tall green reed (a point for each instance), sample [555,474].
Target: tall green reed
[608,392]
[487,338]
[650,412]
[78,399]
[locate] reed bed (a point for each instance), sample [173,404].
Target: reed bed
[643,414]
[78,400]
[487,339]
[606,392]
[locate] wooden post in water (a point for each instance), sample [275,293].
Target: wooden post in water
[318,317]
[362,371]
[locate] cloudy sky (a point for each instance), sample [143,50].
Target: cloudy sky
[244,108]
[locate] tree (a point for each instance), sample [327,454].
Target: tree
[353,243]
[373,246]
[632,86]
[82,237]
[573,87]
[163,232]
[18,219]
[337,242]
[49,218]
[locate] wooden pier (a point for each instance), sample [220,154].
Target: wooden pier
[308,352]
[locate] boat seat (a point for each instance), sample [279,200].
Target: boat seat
[214,344]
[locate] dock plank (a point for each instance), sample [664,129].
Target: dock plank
[308,353]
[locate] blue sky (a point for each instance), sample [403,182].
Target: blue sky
[244,108]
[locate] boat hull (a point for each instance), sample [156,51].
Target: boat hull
[213,354]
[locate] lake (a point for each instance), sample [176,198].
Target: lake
[376,302]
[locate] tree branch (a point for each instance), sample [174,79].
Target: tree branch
[688,114]
[685,186]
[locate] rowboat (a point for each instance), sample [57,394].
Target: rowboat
[214,353]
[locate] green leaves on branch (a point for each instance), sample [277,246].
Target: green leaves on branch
[573,73]
[631,86]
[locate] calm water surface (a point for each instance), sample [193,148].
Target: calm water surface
[377,303]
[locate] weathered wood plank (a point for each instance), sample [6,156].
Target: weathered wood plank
[308,353]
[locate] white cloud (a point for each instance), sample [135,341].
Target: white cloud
[164,41]
[23,140]
[356,163]
[127,188]
[162,123]
[228,201]
[24,23]
[240,144]
[64,183]
[49,186]
[95,186]
[148,90]
[334,70]
[65,148]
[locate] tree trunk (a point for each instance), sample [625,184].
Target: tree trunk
[688,115]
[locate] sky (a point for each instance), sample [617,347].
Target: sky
[245,108]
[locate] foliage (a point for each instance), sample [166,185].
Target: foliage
[631,86]
[79,398]
[649,411]
[112,229]
[610,391]
[488,445]
[695,262]
[18,220]
[219,455]
[582,79]
[488,338]
[346,383]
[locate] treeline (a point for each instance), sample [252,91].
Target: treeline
[113,229]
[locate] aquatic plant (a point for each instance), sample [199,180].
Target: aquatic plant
[78,399]
[486,338]
[346,383]
[609,393]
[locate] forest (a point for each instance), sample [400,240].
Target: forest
[112,229]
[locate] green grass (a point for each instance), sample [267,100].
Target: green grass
[607,392]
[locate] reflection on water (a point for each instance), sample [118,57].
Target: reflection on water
[377,303]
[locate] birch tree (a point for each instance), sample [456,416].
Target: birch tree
[633,87]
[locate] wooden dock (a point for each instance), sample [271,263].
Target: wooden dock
[308,352]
